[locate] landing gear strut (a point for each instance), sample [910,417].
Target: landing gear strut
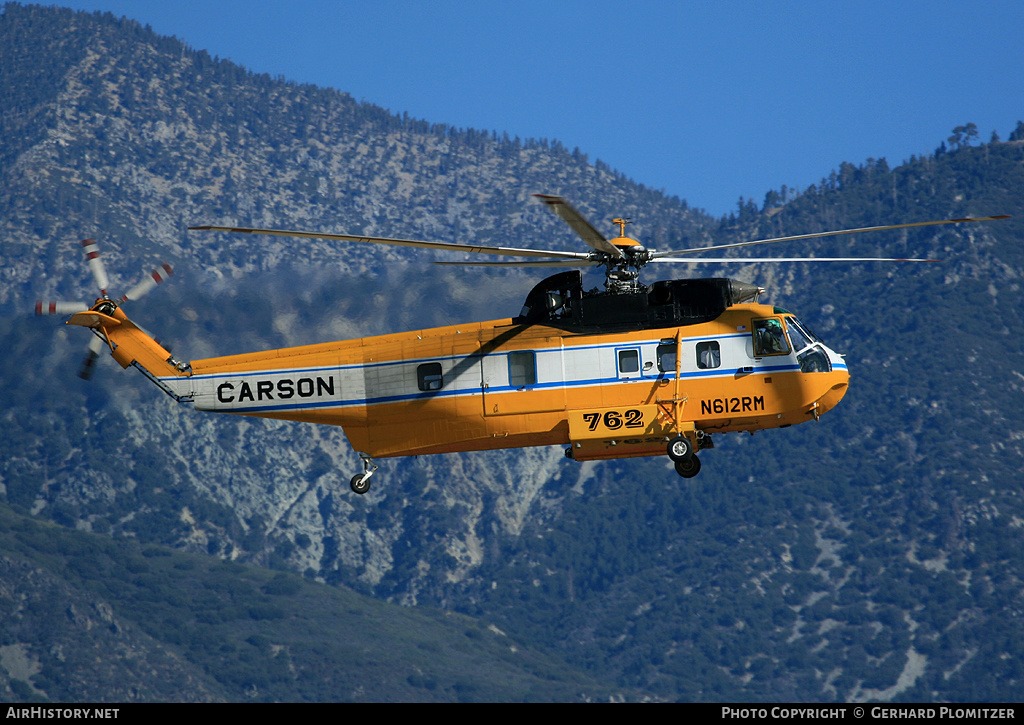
[361,481]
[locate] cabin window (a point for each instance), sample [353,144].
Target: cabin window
[709,355]
[522,369]
[629,362]
[769,337]
[667,358]
[428,376]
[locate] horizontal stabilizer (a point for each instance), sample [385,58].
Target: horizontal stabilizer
[93,319]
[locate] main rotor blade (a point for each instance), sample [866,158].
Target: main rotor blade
[829,234]
[543,263]
[751,260]
[579,224]
[442,246]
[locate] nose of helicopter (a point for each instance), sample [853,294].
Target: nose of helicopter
[840,382]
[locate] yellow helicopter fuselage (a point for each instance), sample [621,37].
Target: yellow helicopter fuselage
[493,385]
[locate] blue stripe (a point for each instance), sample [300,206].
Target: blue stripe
[594,382]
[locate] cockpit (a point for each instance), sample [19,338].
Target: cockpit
[786,335]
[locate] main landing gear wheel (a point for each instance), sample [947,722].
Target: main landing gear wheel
[360,483]
[680,449]
[689,467]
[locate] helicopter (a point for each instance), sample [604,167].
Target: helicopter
[629,371]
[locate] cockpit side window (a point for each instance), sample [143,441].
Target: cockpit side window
[769,337]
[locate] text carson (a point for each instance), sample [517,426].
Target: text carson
[283,389]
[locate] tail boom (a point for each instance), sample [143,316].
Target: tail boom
[131,346]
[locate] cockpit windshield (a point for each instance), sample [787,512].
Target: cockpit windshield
[805,330]
[809,348]
[797,336]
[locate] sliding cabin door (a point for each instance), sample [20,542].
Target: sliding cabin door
[524,381]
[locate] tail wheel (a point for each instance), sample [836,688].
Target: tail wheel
[360,483]
[680,449]
[689,467]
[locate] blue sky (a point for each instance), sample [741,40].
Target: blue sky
[709,101]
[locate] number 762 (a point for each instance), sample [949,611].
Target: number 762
[613,419]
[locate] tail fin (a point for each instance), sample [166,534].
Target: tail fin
[131,345]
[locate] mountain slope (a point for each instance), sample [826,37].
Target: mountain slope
[872,555]
[87,618]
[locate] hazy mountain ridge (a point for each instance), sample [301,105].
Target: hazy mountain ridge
[187,139]
[874,555]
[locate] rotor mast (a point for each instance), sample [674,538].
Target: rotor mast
[622,273]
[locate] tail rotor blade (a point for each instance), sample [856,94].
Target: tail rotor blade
[99,272]
[59,308]
[150,281]
[89,361]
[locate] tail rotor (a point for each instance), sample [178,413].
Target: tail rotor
[99,273]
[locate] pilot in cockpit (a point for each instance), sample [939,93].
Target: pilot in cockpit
[769,338]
